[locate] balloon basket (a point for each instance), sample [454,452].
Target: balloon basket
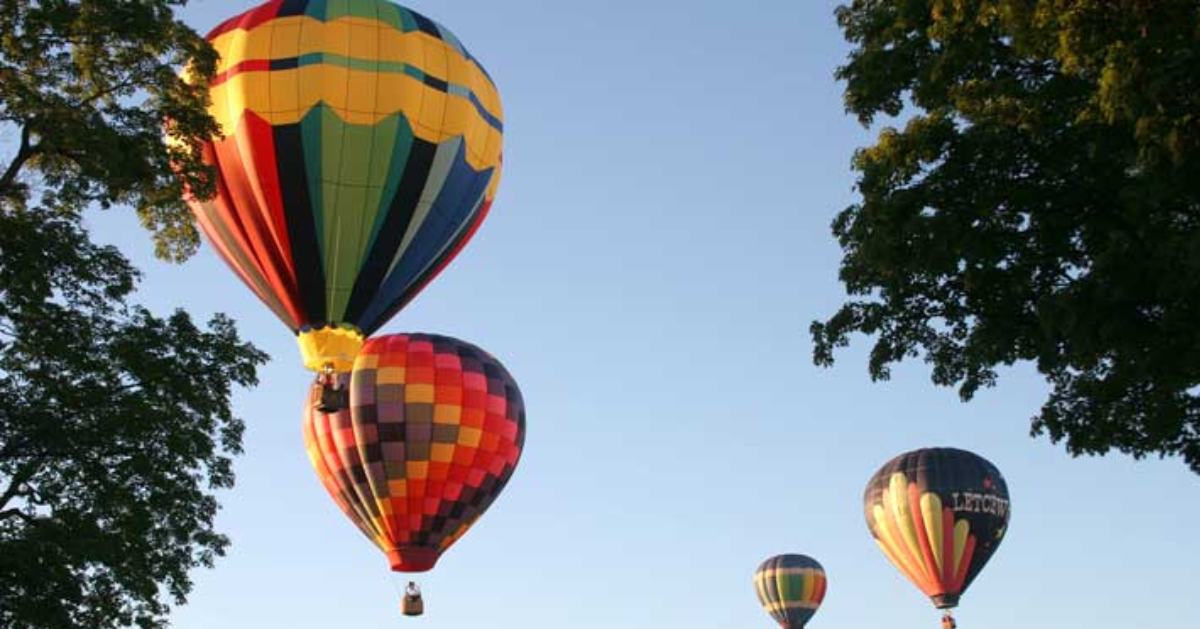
[412,604]
[331,399]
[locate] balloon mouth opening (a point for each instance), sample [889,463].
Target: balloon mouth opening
[945,601]
[330,348]
[412,558]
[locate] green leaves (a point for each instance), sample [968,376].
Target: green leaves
[115,424]
[94,87]
[1042,204]
[115,428]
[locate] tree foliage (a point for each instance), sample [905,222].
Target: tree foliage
[115,424]
[1041,203]
[114,427]
[85,88]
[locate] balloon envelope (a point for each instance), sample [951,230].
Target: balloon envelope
[433,432]
[790,588]
[361,150]
[938,514]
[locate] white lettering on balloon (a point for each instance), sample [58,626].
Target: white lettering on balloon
[970,502]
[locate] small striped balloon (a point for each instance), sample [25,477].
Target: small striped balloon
[790,588]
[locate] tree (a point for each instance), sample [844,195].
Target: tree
[114,427]
[115,424]
[87,88]
[1041,203]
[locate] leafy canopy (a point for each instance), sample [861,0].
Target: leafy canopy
[85,88]
[115,425]
[114,428]
[1042,203]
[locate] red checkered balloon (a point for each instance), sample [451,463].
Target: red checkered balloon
[433,432]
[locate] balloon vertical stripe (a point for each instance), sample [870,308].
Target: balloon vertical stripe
[931,525]
[947,532]
[298,214]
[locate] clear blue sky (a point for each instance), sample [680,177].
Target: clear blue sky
[658,247]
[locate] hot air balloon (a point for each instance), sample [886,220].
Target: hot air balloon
[432,434]
[938,514]
[790,588]
[361,149]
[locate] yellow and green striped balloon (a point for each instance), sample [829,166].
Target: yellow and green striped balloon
[360,149]
[790,588]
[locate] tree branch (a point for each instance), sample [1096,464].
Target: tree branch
[14,486]
[6,514]
[130,81]
[26,150]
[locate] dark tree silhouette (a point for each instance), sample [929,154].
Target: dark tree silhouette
[1042,203]
[115,424]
